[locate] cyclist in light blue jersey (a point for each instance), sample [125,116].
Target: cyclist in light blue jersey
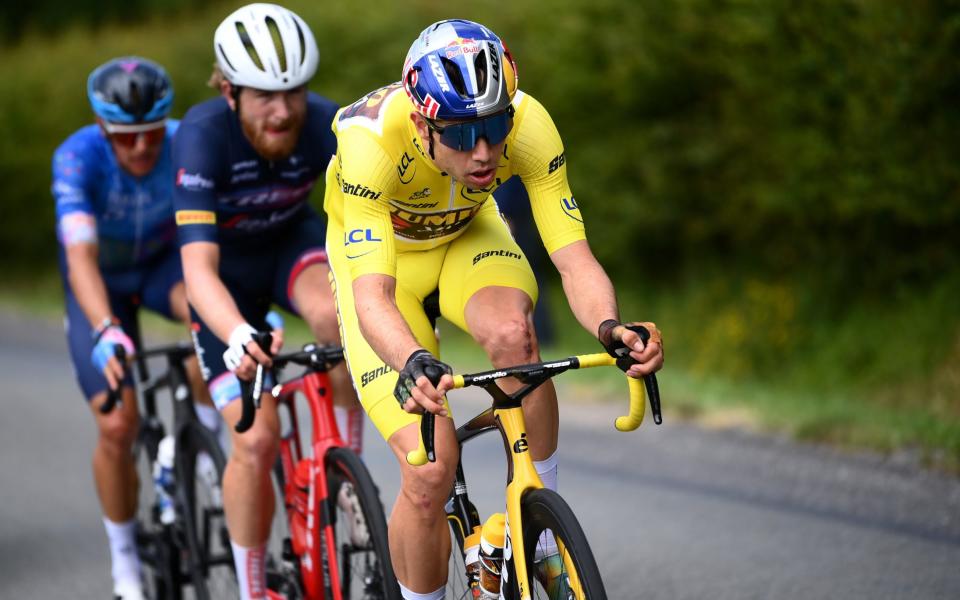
[113,188]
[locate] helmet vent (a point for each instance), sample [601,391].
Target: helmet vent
[223,55]
[455,77]
[277,42]
[248,45]
[480,68]
[303,42]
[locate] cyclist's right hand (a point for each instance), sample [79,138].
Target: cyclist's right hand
[415,390]
[243,353]
[104,357]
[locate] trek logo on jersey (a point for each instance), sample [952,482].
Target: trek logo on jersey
[437,69]
[196,217]
[405,162]
[557,162]
[428,226]
[358,190]
[571,209]
[368,377]
[489,253]
[359,235]
[193,180]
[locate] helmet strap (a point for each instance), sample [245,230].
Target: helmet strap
[430,145]
[235,94]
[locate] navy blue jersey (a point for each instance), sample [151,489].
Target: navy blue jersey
[133,215]
[225,192]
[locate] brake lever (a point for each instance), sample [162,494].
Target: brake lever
[114,396]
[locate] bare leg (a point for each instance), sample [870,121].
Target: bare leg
[419,535]
[114,471]
[501,320]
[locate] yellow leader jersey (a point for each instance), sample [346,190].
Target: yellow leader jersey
[387,196]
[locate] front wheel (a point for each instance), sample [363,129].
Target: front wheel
[155,545]
[360,529]
[200,466]
[559,562]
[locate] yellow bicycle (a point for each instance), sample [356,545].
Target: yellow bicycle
[534,566]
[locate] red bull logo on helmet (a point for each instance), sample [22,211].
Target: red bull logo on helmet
[462,46]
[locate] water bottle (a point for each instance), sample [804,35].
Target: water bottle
[471,558]
[491,555]
[163,479]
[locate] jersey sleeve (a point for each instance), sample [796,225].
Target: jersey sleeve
[539,160]
[195,171]
[366,181]
[72,191]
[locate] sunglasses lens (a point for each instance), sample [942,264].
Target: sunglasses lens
[154,136]
[127,140]
[464,136]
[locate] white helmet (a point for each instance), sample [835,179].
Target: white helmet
[267,47]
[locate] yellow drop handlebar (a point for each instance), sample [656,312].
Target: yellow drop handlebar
[628,422]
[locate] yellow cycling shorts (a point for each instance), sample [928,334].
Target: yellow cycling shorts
[484,255]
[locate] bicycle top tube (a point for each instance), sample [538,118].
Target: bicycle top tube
[533,375]
[174,353]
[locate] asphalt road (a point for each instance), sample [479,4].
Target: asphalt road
[672,512]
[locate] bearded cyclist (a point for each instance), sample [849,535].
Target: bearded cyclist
[245,165]
[410,212]
[113,187]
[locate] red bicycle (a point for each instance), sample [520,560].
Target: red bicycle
[334,546]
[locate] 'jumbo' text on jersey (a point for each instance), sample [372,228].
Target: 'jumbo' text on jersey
[225,191]
[134,215]
[390,197]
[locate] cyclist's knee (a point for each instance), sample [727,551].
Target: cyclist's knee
[321,315]
[427,487]
[509,340]
[257,447]
[118,429]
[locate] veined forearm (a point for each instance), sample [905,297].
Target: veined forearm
[87,283]
[206,291]
[381,322]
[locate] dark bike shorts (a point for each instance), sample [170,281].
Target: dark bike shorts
[257,272]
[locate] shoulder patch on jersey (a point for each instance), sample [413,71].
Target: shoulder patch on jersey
[368,111]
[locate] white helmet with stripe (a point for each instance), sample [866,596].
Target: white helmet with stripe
[267,47]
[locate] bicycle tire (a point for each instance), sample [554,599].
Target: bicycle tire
[155,548]
[366,572]
[200,465]
[576,575]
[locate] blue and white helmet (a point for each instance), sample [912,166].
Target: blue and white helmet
[130,90]
[459,69]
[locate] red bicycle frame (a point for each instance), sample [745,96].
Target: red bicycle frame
[305,488]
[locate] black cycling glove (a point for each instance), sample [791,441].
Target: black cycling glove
[616,348]
[419,364]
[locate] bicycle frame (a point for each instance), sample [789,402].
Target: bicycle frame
[506,416]
[318,579]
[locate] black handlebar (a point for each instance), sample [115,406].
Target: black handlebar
[312,356]
[113,394]
[428,420]
[650,382]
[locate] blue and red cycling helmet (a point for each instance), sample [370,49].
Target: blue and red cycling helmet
[459,70]
[130,90]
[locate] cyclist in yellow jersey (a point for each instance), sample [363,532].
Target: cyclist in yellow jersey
[411,212]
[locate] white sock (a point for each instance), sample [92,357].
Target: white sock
[350,424]
[547,470]
[251,564]
[125,564]
[408,595]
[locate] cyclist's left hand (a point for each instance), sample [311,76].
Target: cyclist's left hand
[620,339]
[414,390]
[103,355]
[275,321]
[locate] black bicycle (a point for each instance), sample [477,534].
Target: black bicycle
[182,535]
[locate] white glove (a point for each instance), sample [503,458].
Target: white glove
[241,336]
